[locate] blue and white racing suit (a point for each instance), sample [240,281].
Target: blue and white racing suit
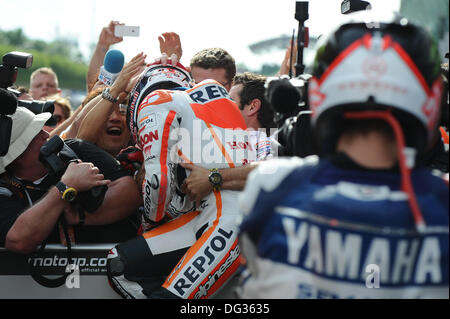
[316,229]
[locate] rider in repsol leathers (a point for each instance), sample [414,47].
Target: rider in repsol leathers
[338,227]
[194,251]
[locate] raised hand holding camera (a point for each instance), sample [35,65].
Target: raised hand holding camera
[107,36]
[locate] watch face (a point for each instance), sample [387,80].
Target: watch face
[215,178]
[70,194]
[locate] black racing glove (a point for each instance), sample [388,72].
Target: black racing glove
[131,158]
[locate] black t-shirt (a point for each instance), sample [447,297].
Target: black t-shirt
[12,205]
[13,202]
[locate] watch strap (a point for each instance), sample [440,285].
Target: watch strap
[106,94]
[63,189]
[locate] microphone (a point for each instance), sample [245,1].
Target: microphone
[112,65]
[282,95]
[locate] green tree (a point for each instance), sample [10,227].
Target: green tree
[269,69]
[71,75]
[15,37]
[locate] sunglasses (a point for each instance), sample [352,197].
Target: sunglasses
[123,109]
[54,120]
[58,118]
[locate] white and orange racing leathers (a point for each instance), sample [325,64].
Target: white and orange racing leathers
[196,252]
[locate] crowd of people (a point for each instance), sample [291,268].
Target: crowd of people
[196,195]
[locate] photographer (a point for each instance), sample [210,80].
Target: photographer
[31,206]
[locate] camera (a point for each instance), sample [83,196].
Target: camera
[56,156]
[8,75]
[349,6]
[288,97]
[40,107]
[11,61]
[8,97]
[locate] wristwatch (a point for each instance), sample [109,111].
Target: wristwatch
[67,193]
[106,94]
[215,179]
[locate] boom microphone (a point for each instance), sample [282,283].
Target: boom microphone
[112,65]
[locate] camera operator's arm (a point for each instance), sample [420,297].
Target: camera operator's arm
[121,200]
[105,40]
[286,64]
[75,125]
[36,223]
[197,184]
[90,128]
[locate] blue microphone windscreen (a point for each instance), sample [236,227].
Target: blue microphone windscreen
[114,60]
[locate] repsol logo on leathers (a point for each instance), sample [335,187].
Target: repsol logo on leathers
[207,93]
[199,265]
[203,290]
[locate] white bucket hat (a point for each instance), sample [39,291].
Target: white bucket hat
[26,125]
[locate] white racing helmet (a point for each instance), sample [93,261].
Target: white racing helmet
[377,66]
[156,76]
[379,70]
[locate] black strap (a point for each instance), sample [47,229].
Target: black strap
[39,277]
[18,190]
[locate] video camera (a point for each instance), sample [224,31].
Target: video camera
[287,94]
[288,97]
[8,97]
[56,156]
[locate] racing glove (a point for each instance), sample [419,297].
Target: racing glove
[131,158]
